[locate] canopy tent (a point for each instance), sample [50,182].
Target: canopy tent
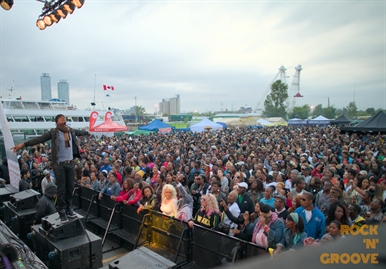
[108,127]
[224,125]
[296,121]
[376,123]
[205,124]
[320,120]
[155,125]
[342,120]
[263,122]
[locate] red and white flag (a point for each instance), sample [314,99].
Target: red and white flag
[105,87]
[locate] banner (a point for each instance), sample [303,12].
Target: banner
[13,164]
[164,130]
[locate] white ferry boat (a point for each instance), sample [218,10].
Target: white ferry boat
[36,117]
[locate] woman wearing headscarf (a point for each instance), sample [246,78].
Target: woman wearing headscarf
[268,231]
[209,214]
[294,234]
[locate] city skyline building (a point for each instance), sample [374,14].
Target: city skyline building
[64,91]
[171,106]
[45,87]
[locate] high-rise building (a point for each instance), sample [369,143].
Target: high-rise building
[170,106]
[63,91]
[45,85]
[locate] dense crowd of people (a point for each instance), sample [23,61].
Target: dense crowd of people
[277,187]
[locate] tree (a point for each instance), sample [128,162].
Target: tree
[329,112]
[140,111]
[352,110]
[301,112]
[274,104]
[318,110]
[370,111]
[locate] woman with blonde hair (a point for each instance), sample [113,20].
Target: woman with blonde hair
[169,201]
[209,214]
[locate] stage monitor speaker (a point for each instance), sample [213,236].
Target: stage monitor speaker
[25,199]
[56,230]
[75,252]
[142,258]
[19,221]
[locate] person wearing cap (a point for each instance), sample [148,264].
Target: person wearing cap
[294,234]
[46,205]
[244,200]
[106,165]
[47,179]
[279,204]
[65,147]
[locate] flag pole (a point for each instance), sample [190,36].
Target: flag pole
[94,92]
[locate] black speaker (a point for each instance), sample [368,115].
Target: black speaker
[75,252]
[19,221]
[142,258]
[6,192]
[53,228]
[25,199]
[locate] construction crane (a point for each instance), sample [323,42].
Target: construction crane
[294,90]
[281,75]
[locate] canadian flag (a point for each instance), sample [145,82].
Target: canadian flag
[105,87]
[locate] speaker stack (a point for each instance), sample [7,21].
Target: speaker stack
[66,245]
[19,212]
[5,193]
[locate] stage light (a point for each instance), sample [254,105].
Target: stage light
[47,20]
[54,17]
[69,7]
[62,13]
[40,24]
[6,4]
[78,3]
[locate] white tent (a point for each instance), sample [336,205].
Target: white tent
[205,124]
[320,118]
[263,122]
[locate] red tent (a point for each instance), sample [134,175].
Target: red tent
[107,126]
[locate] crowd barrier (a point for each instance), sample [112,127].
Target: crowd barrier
[171,238]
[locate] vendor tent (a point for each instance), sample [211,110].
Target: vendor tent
[107,128]
[155,125]
[376,123]
[342,120]
[205,124]
[320,120]
[263,122]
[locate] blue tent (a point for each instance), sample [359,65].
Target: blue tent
[155,125]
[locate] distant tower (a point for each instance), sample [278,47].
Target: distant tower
[294,91]
[45,84]
[63,91]
[282,74]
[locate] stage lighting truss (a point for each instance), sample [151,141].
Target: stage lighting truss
[55,10]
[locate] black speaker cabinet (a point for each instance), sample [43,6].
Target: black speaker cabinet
[75,252]
[5,193]
[142,258]
[25,199]
[55,230]
[19,221]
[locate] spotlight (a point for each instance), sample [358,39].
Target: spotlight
[47,20]
[78,3]
[69,7]
[40,24]
[62,13]
[6,4]
[54,17]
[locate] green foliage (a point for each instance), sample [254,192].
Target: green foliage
[318,110]
[328,112]
[370,111]
[140,111]
[274,104]
[300,112]
[352,110]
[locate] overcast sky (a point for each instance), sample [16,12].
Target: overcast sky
[213,53]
